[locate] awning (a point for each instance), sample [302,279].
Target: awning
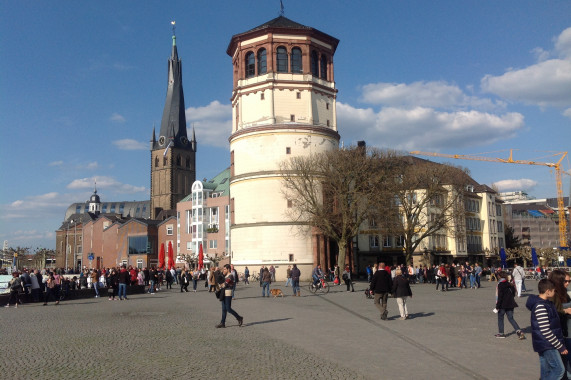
[547,212]
[535,213]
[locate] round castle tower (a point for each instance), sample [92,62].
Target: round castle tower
[283,105]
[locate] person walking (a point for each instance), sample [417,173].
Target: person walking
[401,291]
[266,281]
[295,275]
[16,287]
[518,276]
[95,281]
[505,305]
[226,299]
[346,276]
[381,286]
[546,334]
[246,276]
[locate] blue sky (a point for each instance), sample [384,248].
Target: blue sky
[82,83]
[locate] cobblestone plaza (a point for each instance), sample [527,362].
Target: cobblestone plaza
[334,336]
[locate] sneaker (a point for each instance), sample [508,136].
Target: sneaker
[220,326]
[240,321]
[520,335]
[500,336]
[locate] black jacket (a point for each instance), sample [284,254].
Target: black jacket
[401,287]
[505,296]
[381,282]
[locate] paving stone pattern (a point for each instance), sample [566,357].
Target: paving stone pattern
[334,336]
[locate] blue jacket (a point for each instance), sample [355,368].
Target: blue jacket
[546,330]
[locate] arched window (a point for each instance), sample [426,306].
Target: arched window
[262,63]
[250,65]
[165,161]
[282,59]
[156,162]
[178,160]
[296,60]
[314,64]
[187,162]
[323,67]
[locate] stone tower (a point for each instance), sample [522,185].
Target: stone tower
[173,156]
[283,105]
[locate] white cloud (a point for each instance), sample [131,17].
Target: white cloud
[117,118]
[108,183]
[424,94]
[212,123]
[425,128]
[130,144]
[546,83]
[567,113]
[56,163]
[92,165]
[515,184]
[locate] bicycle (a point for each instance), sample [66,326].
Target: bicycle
[322,286]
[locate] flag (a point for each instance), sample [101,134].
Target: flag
[167,149]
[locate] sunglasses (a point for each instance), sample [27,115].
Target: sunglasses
[567,281]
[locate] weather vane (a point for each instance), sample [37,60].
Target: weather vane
[173,27]
[281,8]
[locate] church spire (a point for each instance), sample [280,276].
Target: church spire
[174,110]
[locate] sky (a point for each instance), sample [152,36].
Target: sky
[83,83]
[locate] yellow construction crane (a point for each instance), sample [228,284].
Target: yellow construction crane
[510,160]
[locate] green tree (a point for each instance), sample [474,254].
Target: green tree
[512,240]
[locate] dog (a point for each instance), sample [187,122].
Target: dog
[276,293]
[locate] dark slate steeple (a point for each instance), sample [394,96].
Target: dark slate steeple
[173,123]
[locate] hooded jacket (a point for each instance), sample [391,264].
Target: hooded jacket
[546,330]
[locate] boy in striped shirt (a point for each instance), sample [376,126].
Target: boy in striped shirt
[546,333]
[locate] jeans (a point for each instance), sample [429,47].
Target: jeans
[194,284]
[265,289]
[472,281]
[95,287]
[227,308]
[463,283]
[551,365]
[288,281]
[122,290]
[510,314]
[295,286]
[151,286]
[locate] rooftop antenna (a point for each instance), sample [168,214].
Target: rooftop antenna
[281,8]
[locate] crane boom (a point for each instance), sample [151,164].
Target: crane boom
[510,160]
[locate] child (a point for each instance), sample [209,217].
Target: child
[547,336]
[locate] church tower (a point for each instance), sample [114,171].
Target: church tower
[95,202]
[173,156]
[283,105]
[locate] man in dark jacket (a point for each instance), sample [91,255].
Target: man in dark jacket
[381,285]
[295,274]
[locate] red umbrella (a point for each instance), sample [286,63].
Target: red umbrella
[200,257]
[170,255]
[162,256]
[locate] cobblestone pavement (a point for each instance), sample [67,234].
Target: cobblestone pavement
[333,336]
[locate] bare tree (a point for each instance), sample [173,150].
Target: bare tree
[429,204]
[337,191]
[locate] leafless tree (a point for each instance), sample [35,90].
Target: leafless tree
[337,191]
[428,202]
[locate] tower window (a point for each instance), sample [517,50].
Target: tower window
[326,106]
[323,67]
[262,96]
[165,161]
[178,160]
[291,117]
[262,63]
[188,162]
[314,64]
[298,95]
[288,150]
[296,66]
[250,64]
[328,123]
[282,59]
[289,203]
[156,162]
